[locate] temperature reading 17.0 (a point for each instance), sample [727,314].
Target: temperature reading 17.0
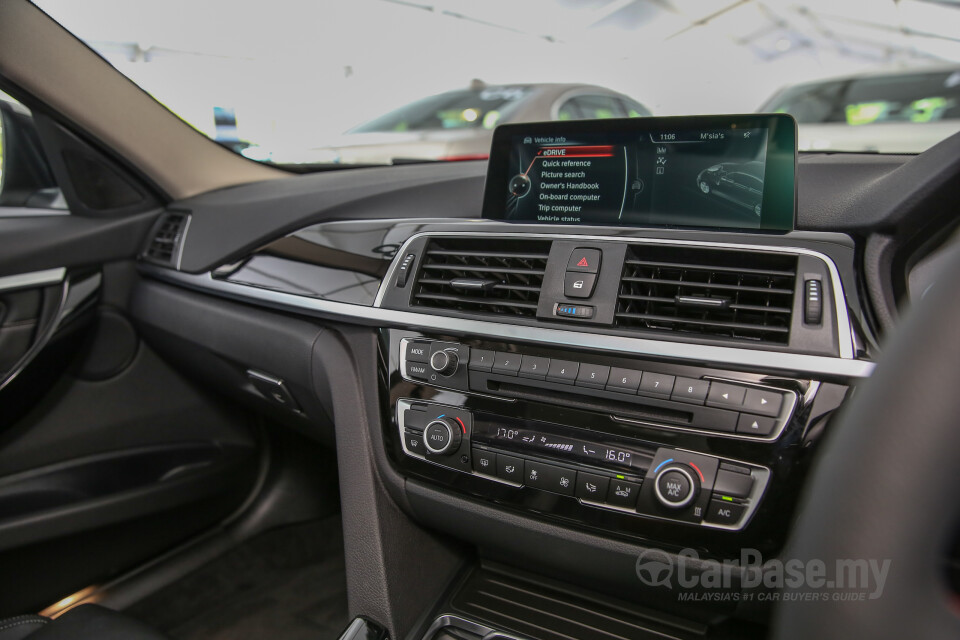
[618,456]
[508,434]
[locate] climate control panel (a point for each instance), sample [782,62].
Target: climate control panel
[603,471]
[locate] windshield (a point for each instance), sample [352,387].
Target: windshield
[391,81]
[468,109]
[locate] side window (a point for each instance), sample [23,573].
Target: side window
[26,181]
[634,109]
[568,111]
[599,107]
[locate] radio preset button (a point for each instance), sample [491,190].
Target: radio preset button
[506,363]
[534,367]
[656,384]
[763,402]
[481,359]
[624,380]
[563,371]
[622,493]
[725,396]
[418,351]
[690,390]
[591,486]
[593,376]
[510,468]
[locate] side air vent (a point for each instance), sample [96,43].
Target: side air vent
[745,295]
[167,238]
[482,275]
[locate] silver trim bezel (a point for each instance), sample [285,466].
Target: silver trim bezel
[485,632]
[728,357]
[33,279]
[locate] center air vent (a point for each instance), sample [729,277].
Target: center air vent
[167,239]
[745,295]
[482,275]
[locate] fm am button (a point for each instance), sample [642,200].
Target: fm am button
[584,261]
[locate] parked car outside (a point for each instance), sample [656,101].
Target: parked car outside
[890,112]
[458,124]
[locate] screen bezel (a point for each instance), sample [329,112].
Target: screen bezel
[780,184]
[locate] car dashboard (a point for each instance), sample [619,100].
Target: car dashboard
[554,400]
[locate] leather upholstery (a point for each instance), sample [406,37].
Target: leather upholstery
[86,622]
[21,626]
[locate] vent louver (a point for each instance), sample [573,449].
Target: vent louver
[482,275]
[708,292]
[168,235]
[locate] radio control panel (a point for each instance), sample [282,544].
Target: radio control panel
[606,472]
[716,406]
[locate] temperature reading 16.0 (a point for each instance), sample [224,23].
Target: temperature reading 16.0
[508,434]
[618,456]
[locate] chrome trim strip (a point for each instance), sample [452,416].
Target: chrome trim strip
[183,241]
[475,628]
[845,342]
[72,296]
[728,357]
[33,279]
[27,212]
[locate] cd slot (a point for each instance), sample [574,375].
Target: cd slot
[566,399]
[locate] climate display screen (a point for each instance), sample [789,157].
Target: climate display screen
[699,171]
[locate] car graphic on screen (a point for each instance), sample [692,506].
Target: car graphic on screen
[738,182]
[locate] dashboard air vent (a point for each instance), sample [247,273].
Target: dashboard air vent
[482,275]
[167,238]
[746,295]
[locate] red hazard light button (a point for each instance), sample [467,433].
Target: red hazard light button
[584,261]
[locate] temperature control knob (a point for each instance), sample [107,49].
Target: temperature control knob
[442,436]
[675,487]
[444,362]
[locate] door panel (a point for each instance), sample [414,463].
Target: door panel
[108,457]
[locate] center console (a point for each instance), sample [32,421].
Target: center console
[649,417]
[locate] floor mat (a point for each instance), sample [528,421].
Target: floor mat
[288,584]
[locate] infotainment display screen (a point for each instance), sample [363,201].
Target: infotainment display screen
[690,171]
